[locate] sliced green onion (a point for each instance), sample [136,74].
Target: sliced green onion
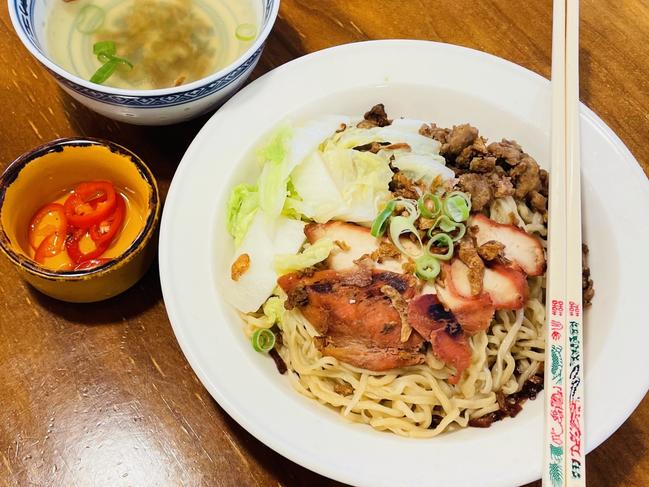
[461,230]
[121,60]
[410,206]
[107,48]
[104,72]
[263,340]
[105,51]
[441,240]
[90,19]
[399,226]
[245,32]
[457,206]
[427,267]
[445,224]
[380,223]
[423,208]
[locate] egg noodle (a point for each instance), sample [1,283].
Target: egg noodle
[409,401]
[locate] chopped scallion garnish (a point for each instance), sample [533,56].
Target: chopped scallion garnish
[105,52]
[427,267]
[245,32]
[263,340]
[89,19]
[402,226]
[425,210]
[457,206]
[441,240]
[380,223]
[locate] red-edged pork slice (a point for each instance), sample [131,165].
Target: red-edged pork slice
[473,313]
[454,351]
[507,287]
[356,241]
[523,249]
[437,325]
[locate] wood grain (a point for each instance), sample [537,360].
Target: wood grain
[101,394]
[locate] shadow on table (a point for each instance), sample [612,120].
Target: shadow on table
[161,148]
[145,294]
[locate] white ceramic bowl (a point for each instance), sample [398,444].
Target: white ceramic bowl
[142,107]
[448,85]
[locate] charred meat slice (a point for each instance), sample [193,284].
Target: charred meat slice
[474,313]
[357,322]
[431,320]
[359,354]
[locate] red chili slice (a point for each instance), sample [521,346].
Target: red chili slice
[105,232]
[90,264]
[75,253]
[38,229]
[49,247]
[91,203]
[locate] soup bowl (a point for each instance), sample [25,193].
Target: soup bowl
[142,107]
[38,177]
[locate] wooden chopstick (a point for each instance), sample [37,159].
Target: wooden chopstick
[564,462]
[554,444]
[576,474]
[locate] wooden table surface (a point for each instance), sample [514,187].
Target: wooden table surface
[102,395]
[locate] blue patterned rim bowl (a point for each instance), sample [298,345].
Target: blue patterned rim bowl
[142,107]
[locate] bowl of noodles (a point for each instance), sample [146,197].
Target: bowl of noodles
[374,294]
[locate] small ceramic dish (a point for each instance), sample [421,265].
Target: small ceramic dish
[142,107]
[40,176]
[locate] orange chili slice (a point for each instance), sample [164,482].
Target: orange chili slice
[49,247]
[46,221]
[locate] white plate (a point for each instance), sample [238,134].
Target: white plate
[448,85]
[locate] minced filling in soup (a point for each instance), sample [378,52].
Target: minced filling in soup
[158,43]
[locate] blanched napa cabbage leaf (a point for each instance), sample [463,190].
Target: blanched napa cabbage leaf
[341,184]
[399,131]
[240,210]
[274,173]
[274,310]
[282,152]
[262,244]
[422,167]
[285,149]
[311,255]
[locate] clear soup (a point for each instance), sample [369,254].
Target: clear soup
[167,42]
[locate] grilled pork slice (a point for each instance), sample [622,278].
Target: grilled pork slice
[507,287]
[360,354]
[354,242]
[357,322]
[474,313]
[427,315]
[523,249]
